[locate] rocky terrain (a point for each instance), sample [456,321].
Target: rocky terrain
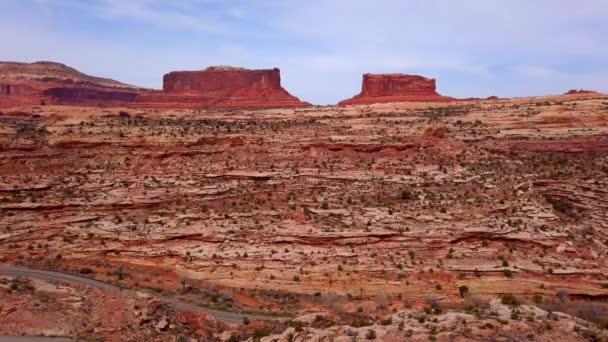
[351,213]
[44,308]
[483,321]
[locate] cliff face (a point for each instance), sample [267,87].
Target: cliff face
[378,88]
[223,87]
[221,79]
[75,94]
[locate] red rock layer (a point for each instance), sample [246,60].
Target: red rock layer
[379,88]
[221,87]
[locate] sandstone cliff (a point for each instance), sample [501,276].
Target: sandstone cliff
[379,88]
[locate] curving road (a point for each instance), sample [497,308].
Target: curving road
[225,316]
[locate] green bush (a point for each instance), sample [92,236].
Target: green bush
[259,333]
[463,290]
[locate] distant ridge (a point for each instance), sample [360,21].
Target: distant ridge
[52,71]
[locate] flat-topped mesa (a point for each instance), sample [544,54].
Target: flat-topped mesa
[222,87]
[380,88]
[221,79]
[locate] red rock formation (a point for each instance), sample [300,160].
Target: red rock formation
[54,83]
[223,87]
[43,83]
[378,88]
[581,91]
[220,79]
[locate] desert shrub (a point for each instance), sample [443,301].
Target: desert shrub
[358,323]
[435,306]
[563,206]
[371,334]
[259,333]
[21,284]
[386,321]
[591,312]
[406,195]
[475,303]
[463,290]
[509,299]
[86,270]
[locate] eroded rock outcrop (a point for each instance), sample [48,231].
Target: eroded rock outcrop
[42,83]
[223,87]
[379,88]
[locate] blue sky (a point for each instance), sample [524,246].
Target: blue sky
[473,47]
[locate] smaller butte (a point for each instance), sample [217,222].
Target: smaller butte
[580,91]
[381,88]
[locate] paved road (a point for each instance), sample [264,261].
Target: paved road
[225,316]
